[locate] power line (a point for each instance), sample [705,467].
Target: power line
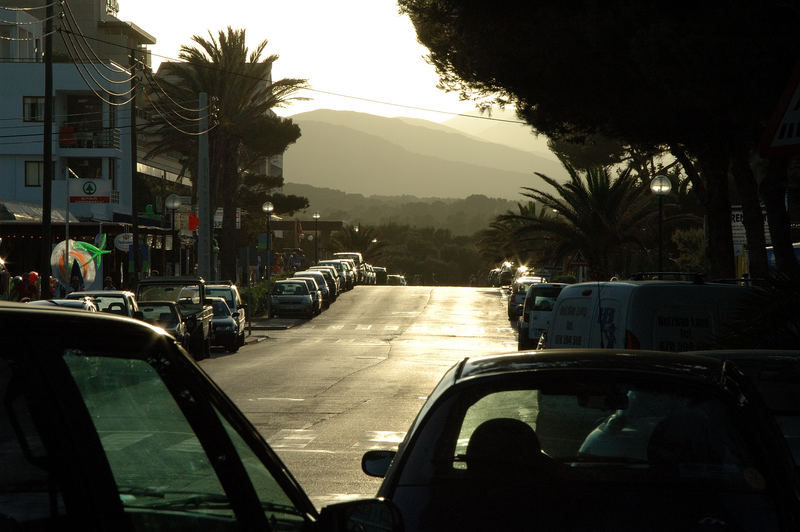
[339,95]
[37,8]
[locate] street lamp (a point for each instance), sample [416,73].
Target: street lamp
[173,203]
[660,186]
[316,237]
[267,207]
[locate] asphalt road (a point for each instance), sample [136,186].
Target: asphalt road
[325,390]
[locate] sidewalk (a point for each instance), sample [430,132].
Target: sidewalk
[262,323]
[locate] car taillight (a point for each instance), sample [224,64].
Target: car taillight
[631,342]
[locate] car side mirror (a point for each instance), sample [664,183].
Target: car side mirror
[235,314]
[376,463]
[138,314]
[366,514]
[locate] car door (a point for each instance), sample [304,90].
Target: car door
[129,434]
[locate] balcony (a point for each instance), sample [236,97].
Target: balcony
[77,137]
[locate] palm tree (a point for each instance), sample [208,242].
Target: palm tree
[604,218]
[244,130]
[500,241]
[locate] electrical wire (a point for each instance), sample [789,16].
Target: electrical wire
[85,59]
[86,82]
[173,126]
[30,8]
[148,72]
[340,95]
[77,31]
[33,38]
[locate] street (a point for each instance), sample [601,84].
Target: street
[353,378]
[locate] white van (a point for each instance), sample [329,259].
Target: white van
[536,311]
[662,315]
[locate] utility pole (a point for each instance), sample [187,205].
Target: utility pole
[203,199]
[47,157]
[137,251]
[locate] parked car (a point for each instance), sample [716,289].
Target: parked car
[167,315]
[587,440]
[313,289]
[519,289]
[230,292]
[224,325]
[380,275]
[776,374]
[190,294]
[331,277]
[343,268]
[665,315]
[291,297]
[536,311]
[327,296]
[108,424]
[395,280]
[358,260]
[115,301]
[80,303]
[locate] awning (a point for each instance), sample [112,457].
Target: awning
[17,211]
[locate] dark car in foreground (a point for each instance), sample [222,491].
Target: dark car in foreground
[592,440]
[107,424]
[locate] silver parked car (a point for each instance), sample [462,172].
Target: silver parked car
[316,293]
[291,297]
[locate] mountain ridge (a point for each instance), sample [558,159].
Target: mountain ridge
[371,155]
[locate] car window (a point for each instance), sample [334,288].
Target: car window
[220,308]
[29,494]
[225,293]
[652,429]
[158,462]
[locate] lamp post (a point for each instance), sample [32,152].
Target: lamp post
[316,237]
[660,186]
[173,203]
[267,207]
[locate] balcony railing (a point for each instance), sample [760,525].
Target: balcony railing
[70,137]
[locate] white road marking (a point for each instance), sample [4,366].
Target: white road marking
[292,439]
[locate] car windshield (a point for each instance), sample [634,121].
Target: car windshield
[290,289]
[221,308]
[165,315]
[223,292]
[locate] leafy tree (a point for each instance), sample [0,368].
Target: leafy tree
[244,131]
[648,74]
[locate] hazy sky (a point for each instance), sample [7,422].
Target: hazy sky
[358,48]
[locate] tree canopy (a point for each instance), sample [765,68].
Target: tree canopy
[651,74]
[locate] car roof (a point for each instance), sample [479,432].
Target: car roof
[38,321]
[107,293]
[61,302]
[661,362]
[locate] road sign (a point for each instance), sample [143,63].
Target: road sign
[782,136]
[89,190]
[579,260]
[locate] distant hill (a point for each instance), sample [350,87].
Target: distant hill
[373,155]
[459,216]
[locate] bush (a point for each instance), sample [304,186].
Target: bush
[257,295]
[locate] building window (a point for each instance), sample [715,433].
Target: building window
[34,171]
[33,108]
